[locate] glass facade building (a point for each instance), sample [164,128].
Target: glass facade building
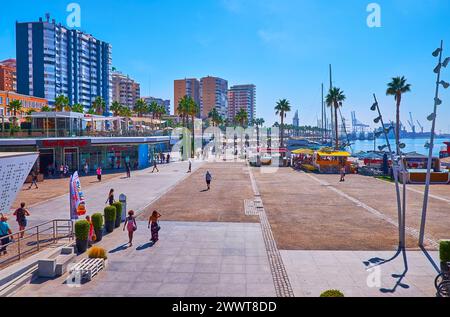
[53,60]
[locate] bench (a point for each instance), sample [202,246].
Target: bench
[56,266]
[88,268]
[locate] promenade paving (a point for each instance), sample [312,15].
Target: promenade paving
[189,200]
[141,189]
[317,212]
[191,260]
[361,273]
[256,235]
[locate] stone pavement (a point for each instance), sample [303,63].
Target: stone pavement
[191,259]
[141,189]
[312,272]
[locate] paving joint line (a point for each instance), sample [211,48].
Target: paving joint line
[280,277]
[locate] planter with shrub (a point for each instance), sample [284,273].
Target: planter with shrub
[97,253]
[332,293]
[118,206]
[110,218]
[97,222]
[444,255]
[82,235]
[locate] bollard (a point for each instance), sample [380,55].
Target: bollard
[123,200]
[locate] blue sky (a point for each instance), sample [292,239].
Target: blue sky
[282,46]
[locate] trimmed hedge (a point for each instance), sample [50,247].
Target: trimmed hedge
[97,221]
[332,293]
[444,250]
[82,230]
[118,206]
[110,213]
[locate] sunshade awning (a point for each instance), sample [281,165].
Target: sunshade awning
[303,151]
[334,154]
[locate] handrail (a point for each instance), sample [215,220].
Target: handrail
[34,236]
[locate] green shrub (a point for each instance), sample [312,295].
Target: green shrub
[118,206]
[444,250]
[82,230]
[97,221]
[110,213]
[332,293]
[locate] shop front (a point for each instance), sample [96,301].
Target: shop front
[111,154]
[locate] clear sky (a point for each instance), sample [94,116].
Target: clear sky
[282,46]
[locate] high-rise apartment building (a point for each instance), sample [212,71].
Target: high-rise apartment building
[242,97]
[8,81]
[213,94]
[125,90]
[186,87]
[160,102]
[53,60]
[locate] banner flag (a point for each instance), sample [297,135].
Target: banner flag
[77,201]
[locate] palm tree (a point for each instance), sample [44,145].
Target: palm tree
[282,108]
[258,122]
[334,99]
[140,107]
[182,108]
[116,107]
[99,106]
[153,108]
[192,111]
[215,117]
[160,111]
[241,117]
[396,88]
[62,103]
[15,106]
[78,108]
[46,109]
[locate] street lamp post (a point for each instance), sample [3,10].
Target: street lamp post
[395,168]
[437,53]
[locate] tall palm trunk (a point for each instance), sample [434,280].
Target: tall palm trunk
[336,125]
[281,129]
[193,136]
[397,126]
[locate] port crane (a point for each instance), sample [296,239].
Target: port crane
[411,123]
[420,126]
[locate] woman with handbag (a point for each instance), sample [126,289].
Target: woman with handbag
[154,226]
[130,224]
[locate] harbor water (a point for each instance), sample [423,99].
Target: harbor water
[412,145]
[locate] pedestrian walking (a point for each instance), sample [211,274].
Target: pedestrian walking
[168,158]
[99,174]
[34,179]
[190,166]
[5,231]
[21,215]
[155,167]
[154,227]
[61,170]
[130,224]
[110,199]
[86,168]
[66,170]
[128,168]
[342,174]
[91,236]
[208,179]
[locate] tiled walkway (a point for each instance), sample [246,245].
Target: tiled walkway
[359,273]
[191,259]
